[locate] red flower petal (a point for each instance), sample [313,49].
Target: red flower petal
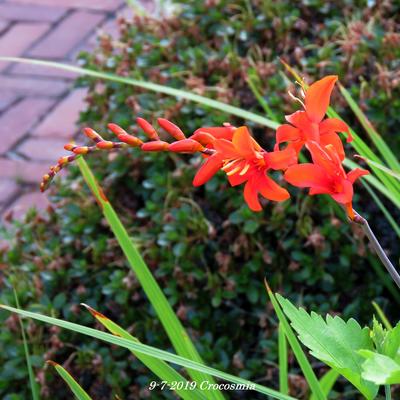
[225,148]
[352,176]
[286,133]
[271,190]
[210,167]
[334,140]
[299,119]
[346,195]
[203,137]
[318,96]
[329,125]
[237,179]
[251,196]
[218,132]
[244,143]
[307,175]
[281,159]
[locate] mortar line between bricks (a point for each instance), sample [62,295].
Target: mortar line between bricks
[52,26]
[12,104]
[14,148]
[84,40]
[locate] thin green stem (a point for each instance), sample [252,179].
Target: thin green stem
[378,248]
[388,393]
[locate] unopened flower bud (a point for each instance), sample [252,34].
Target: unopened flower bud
[69,146]
[148,129]
[185,146]
[105,145]
[116,129]
[171,128]
[130,139]
[157,145]
[93,135]
[81,150]
[203,137]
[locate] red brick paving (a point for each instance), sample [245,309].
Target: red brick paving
[29,12]
[61,122]
[19,38]
[38,106]
[23,171]
[43,149]
[104,5]
[16,122]
[66,35]
[8,189]
[33,86]
[6,99]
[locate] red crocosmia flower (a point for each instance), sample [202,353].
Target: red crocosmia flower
[308,125]
[326,175]
[207,135]
[244,160]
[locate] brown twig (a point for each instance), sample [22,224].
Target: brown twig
[360,220]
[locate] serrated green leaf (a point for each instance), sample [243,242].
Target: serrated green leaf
[380,369]
[333,341]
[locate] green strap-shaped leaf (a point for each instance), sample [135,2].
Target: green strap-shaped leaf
[327,382]
[175,331]
[76,389]
[32,381]
[333,341]
[283,361]
[149,351]
[160,368]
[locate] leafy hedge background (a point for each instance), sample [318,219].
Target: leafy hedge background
[207,250]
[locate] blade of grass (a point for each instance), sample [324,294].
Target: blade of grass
[382,316]
[390,172]
[297,350]
[365,151]
[159,368]
[183,94]
[149,351]
[327,382]
[76,389]
[373,181]
[253,86]
[283,361]
[173,327]
[377,139]
[32,382]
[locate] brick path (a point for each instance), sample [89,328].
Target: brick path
[38,106]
